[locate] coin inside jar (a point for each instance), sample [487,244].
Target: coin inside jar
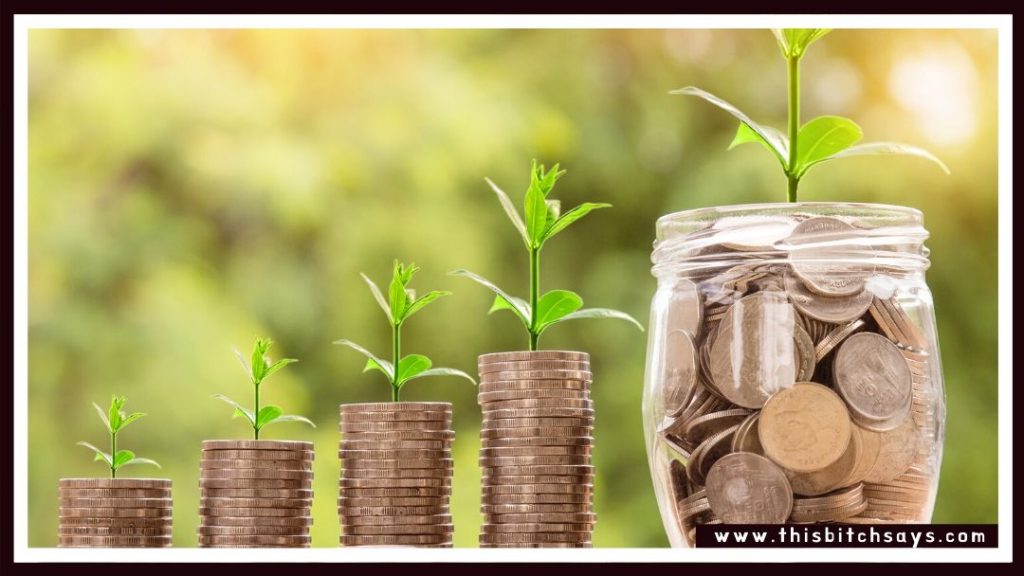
[804,428]
[744,488]
[873,378]
[680,370]
[822,266]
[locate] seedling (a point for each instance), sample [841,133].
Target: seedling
[116,420]
[259,368]
[542,222]
[400,304]
[819,140]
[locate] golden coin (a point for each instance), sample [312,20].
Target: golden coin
[745,488]
[242,512]
[252,530]
[256,521]
[346,500]
[430,510]
[115,522]
[358,462]
[513,451]
[436,455]
[381,483]
[255,483]
[740,369]
[93,512]
[533,394]
[289,445]
[401,416]
[396,473]
[115,492]
[804,428]
[538,441]
[535,537]
[115,502]
[512,479]
[553,470]
[538,498]
[513,404]
[117,483]
[396,407]
[832,476]
[397,529]
[401,435]
[263,464]
[533,365]
[499,423]
[546,517]
[896,452]
[534,508]
[395,445]
[256,474]
[408,519]
[113,541]
[555,431]
[261,455]
[560,375]
[393,540]
[538,386]
[538,489]
[255,502]
[534,527]
[79,530]
[236,540]
[396,492]
[393,425]
[501,461]
[534,355]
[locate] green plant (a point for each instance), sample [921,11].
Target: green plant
[259,368]
[116,420]
[400,304]
[819,140]
[542,221]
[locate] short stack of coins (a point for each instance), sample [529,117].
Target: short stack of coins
[537,438]
[396,472]
[114,513]
[802,371]
[255,493]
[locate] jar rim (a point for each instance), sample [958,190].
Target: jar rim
[909,215]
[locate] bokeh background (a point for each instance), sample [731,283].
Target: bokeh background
[190,190]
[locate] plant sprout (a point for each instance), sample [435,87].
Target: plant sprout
[259,368]
[400,304]
[819,140]
[542,222]
[116,420]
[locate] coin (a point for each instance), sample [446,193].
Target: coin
[290,445]
[395,445]
[376,483]
[397,492]
[873,378]
[535,451]
[545,517]
[804,428]
[256,521]
[402,435]
[552,469]
[385,501]
[117,483]
[115,502]
[497,480]
[751,357]
[544,431]
[408,519]
[396,407]
[436,455]
[256,474]
[571,356]
[233,540]
[539,386]
[911,334]
[539,545]
[832,310]
[499,423]
[271,493]
[534,488]
[538,498]
[401,416]
[388,426]
[746,438]
[397,529]
[745,488]
[680,371]
[94,512]
[534,527]
[514,404]
[502,461]
[534,394]
[261,455]
[255,502]
[115,522]
[263,464]
[114,541]
[396,473]
[535,537]
[532,365]
[685,309]
[580,375]
[534,508]
[425,510]
[709,424]
[393,540]
[825,268]
[538,441]
[711,450]
[115,492]
[249,512]
[896,451]
[834,338]
[79,530]
[832,476]
[258,483]
[358,463]
[252,530]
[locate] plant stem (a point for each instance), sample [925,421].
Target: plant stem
[794,124]
[396,356]
[256,414]
[113,454]
[534,295]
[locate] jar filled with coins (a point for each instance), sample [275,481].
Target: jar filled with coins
[793,373]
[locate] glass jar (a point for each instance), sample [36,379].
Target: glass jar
[793,372]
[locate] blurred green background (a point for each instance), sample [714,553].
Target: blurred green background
[190,190]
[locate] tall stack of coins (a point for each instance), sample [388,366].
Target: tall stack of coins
[795,381]
[396,473]
[114,513]
[537,437]
[255,493]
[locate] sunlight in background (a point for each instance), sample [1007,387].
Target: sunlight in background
[938,85]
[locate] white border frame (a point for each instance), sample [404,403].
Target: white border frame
[1002,23]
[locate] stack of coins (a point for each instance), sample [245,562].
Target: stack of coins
[255,493]
[114,513]
[537,437]
[396,461]
[805,355]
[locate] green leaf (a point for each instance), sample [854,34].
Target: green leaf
[292,418]
[822,137]
[131,418]
[268,414]
[243,362]
[443,372]
[103,416]
[873,148]
[410,366]
[600,313]
[259,362]
[794,41]
[535,207]
[745,134]
[379,297]
[571,216]
[239,409]
[101,456]
[422,301]
[510,211]
[773,139]
[397,296]
[516,305]
[114,414]
[135,461]
[373,362]
[556,304]
[277,366]
[122,457]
